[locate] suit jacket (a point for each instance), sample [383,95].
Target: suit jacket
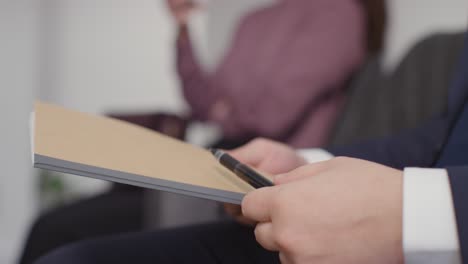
[422,147]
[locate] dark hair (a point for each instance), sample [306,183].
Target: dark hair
[376,12]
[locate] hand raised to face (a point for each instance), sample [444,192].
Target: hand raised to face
[339,211]
[181,9]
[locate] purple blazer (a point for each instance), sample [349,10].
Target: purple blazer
[285,73]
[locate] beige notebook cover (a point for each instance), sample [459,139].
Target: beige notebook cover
[99,147]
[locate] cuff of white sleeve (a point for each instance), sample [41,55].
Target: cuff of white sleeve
[429,225]
[315,155]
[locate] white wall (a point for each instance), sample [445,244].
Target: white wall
[18,80]
[413,19]
[111,54]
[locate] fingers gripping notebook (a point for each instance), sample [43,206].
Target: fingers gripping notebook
[99,147]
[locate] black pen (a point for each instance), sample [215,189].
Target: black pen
[243,171]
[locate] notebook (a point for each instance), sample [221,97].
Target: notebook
[73,142]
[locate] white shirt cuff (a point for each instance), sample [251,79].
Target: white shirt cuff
[314,155]
[429,225]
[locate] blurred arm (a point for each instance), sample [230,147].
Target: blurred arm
[196,86]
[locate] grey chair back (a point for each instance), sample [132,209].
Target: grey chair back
[380,105]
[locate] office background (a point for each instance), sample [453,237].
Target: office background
[117,55]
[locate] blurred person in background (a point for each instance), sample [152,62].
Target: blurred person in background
[285,73]
[284,78]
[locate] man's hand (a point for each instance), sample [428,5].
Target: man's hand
[266,156]
[339,211]
[181,9]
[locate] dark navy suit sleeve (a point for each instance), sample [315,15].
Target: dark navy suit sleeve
[415,148]
[459,183]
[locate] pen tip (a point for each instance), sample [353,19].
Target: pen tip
[213,151]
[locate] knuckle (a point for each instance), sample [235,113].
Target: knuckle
[258,234]
[341,159]
[285,239]
[260,141]
[280,198]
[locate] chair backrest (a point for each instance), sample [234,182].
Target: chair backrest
[380,105]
